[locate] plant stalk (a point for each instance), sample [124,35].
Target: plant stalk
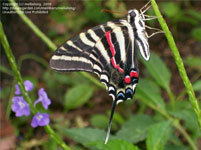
[19,81]
[179,63]
[32,26]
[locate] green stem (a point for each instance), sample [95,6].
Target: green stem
[34,57]
[19,81]
[172,98]
[33,26]
[13,65]
[92,79]
[179,63]
[183,92]
[11,95]
[5,70]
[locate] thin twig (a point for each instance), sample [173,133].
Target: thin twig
[179,63]
[19,81]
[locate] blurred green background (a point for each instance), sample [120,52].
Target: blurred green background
[159,116]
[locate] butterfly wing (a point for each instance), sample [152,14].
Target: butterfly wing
[107,50]
[143,45]
[80,53]
[74,55]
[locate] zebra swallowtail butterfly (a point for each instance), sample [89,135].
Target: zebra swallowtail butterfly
[110,51]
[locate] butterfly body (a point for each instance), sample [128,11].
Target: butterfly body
[110,51]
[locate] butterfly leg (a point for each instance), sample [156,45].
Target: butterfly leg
[149,36]
[152,28]
[150,17]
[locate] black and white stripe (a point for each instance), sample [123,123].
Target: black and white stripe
[109,50]
[136,20]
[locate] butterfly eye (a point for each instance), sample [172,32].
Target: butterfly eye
[133,14]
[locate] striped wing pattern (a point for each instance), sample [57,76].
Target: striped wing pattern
[107,50]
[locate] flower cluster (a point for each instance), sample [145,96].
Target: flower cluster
[21,107]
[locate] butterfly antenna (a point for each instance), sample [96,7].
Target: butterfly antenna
[145,7]
[114,12]
[114,104]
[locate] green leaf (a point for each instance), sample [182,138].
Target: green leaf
[149,91]
[6,70]
[59,15]
[197,85]
[158,135]
[188,19]
[50,144]
[193,62]
[77,147]
[159,71]
[176,147]
[170,6]
[5,92]
[174,141]
[190,120]
[85,135]
[175,12]
[117,118]
[95,15]
[196,32]
[179,105]
[115,145]
[77,96]
[195,14]
[57,78]
[135,129]
[99,121]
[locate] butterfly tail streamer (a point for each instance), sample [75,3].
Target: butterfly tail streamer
[114,104]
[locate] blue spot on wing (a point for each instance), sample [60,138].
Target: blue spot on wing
[121,96]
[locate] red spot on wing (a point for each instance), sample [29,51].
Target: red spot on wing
[113,61]
[127,79]
[134,74]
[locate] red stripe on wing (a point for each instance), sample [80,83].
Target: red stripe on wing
[113,61]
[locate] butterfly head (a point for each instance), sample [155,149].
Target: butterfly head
[135,18]
[132,14]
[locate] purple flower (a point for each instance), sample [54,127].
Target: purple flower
[28,87]
[40,119]
[43,98]
[17,90]
[20,106]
